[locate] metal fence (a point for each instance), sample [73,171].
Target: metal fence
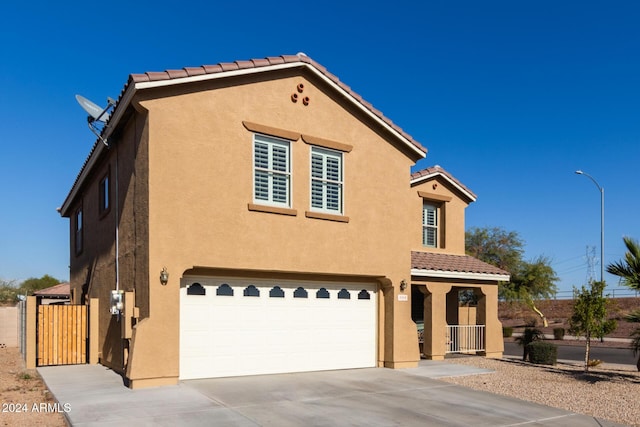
[22,328]
[608,292]
[465,338]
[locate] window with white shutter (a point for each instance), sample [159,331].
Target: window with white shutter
[271,171]
[326,181]
[429,225]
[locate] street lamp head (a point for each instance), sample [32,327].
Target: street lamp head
[579,172]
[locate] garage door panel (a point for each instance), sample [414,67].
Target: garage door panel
[247,335]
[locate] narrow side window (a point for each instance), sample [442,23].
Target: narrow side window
[104,193]
[78,230]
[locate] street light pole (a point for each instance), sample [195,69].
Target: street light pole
[579,172]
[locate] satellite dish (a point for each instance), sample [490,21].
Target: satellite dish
[92,109]
[98,116]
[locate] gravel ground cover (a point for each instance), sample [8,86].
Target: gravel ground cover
[607,391]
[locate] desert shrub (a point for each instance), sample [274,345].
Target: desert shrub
[24,376]
[528,336]
[531,322]
[558,333]
[594,362]
[543,353]
[507,331]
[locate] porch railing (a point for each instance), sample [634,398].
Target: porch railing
[465,338]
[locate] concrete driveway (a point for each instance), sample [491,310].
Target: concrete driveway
[357,397]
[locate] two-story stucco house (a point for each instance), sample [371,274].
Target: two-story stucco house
[259,217]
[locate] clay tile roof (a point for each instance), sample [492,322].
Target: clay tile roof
[211,69]
[260,62]
[176,74]
[158,75]
[245,64]
[452,263]
[433,170]
[229,66]
[59,290]
[195,71]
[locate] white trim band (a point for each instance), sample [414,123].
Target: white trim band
[460,275]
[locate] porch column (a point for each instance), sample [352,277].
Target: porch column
[435,320]
[488,315]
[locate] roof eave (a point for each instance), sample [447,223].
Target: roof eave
[472,197]
[421,152]
[441,274]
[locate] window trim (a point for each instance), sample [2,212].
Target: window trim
[325,152]
[271,141]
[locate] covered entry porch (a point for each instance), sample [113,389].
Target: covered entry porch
[456,299]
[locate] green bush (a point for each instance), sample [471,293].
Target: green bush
[543,353]
[507,331]
[558,333]
[528,336]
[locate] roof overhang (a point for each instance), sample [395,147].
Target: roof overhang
[133,87]
[441,274]
[270,68]
[453,183]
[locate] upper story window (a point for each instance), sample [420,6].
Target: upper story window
[271,171]
[326,181]
[104,194]
[429,225]
[77,230]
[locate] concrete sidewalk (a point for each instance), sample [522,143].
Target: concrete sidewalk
[367,397]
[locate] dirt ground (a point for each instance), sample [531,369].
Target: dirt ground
[24,399]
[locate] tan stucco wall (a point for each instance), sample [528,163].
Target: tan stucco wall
[200,185]
[9,326]
[451,215]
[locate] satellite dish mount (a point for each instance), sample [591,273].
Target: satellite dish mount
[97,116]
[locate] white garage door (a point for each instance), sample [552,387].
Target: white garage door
[233,327]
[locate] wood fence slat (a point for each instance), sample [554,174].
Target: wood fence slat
[39,336]
[83,348]
[47,335]
[61,334]
[69,334]
[50,336]
[74,332]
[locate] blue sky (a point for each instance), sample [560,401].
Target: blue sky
[510,97]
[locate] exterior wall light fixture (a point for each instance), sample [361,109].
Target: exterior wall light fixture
[164,276]
[403,285]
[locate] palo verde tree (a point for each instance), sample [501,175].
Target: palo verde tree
[629,270]
[8,292]
[530,281]
[589,318]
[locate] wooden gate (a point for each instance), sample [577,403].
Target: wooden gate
[62,335]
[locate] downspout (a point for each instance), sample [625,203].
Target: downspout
[117,227]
